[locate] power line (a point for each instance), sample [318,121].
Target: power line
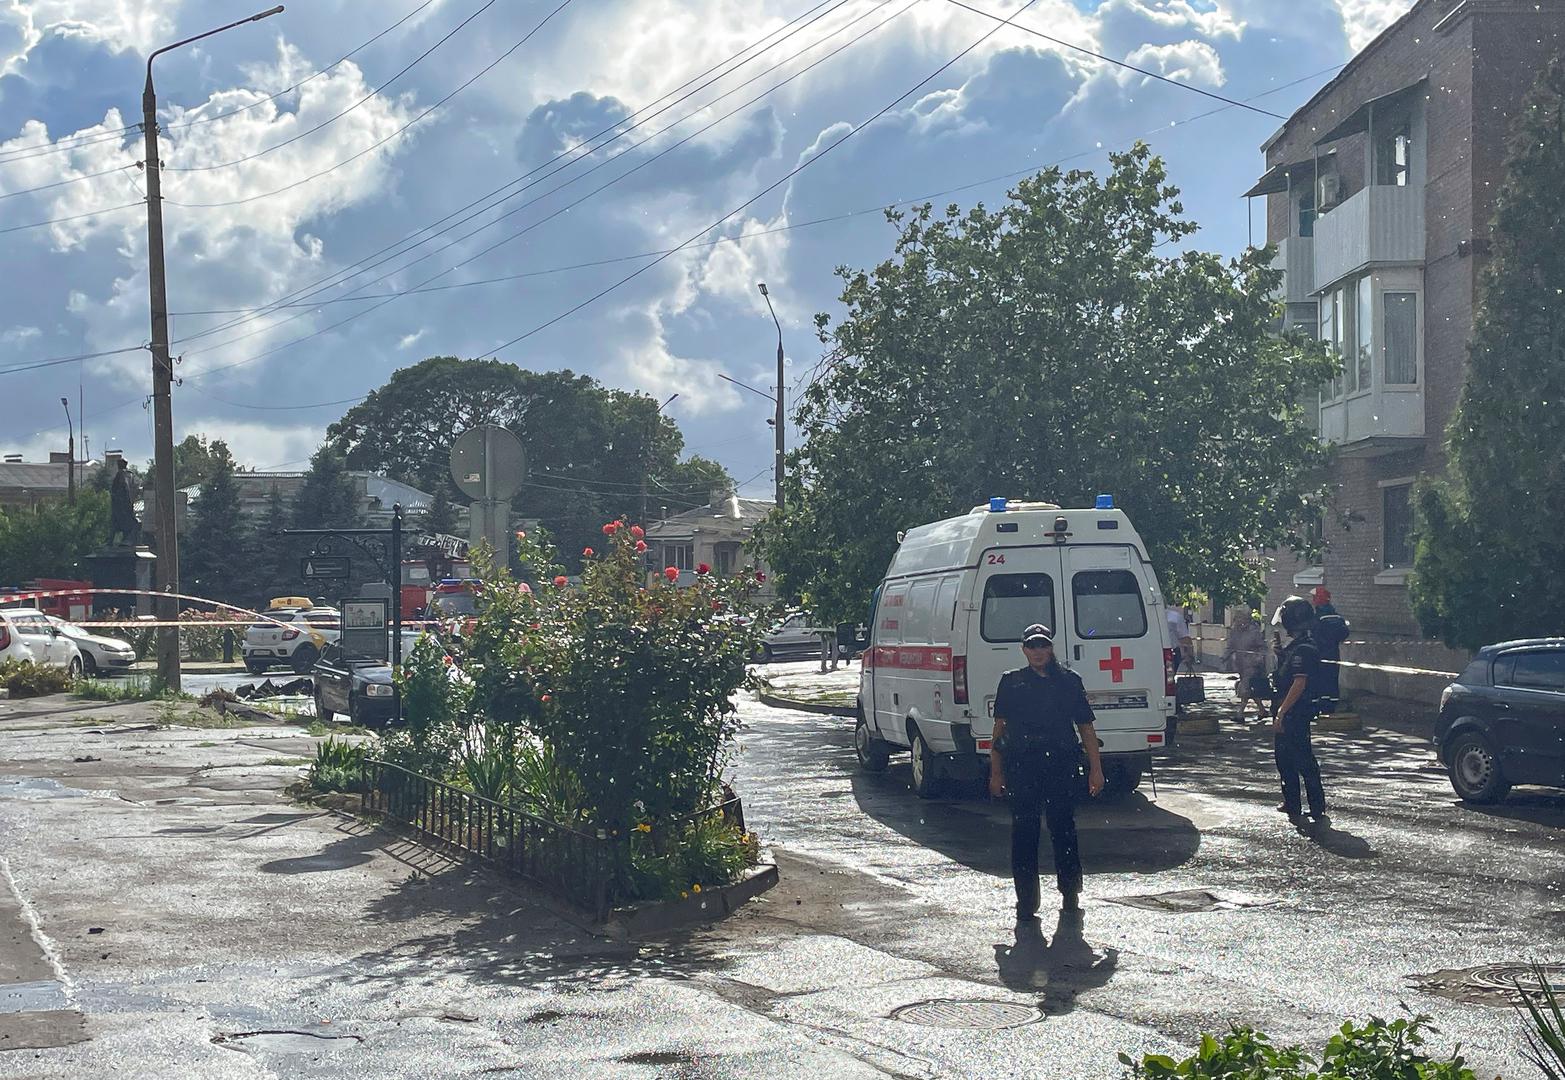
[543,221]
[376,145]
[72,217]
[333,119]
[790,174]
[343,275]
[64,183]
[344,58]
[1110,60]
[34,365]
[27,153]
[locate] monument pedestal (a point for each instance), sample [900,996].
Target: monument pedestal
[122,567]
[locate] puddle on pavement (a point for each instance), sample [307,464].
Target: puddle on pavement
[27,787]
[43,996]
[285,1042]
[1500,985]
[1189,901]
[659,1057]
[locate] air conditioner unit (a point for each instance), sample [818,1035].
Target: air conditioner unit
[1330,191]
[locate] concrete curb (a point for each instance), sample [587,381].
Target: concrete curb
[776,702]
[665,916]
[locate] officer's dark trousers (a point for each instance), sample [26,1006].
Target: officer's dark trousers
[1042,793]
[1296,761]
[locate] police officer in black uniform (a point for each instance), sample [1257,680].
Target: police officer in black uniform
[1042,726]
[1299,673]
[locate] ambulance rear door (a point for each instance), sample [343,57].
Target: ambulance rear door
[1014,588]
[1113,639]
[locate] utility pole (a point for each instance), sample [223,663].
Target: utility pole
[70,454]
[778,423]
[166,523]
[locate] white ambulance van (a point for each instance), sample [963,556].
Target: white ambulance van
[947,620]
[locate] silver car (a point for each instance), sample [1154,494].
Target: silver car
[100,654]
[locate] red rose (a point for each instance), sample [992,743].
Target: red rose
[637,531]
[611,528]
[641,546]
[560,581]
[671,572]
[546,699]
[520,535]
[717,605]
[448,660]
[760,575]
[587,553]
[703,568]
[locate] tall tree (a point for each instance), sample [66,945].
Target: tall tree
[589,448]
[269,556]
[210,555]
[1052,349]
[196,460]
[328,497]
[53,539]
[440,516]
[1490,538]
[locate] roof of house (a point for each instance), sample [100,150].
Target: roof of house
[733,515]
[41,475]
[381,488]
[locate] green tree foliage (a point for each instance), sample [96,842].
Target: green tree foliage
[52,539]
[196,460]
[1490,538]
[440,516]
[1054,349]
[211,553]
[589,448]
[328,497]
[271,568]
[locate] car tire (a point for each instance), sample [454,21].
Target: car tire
[89,665]
[925,777]
[255,667]
[874,753]
[1119,781]
[1475,770]
[75,667]
[304,658]
[765,656]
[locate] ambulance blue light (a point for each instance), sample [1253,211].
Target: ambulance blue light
[997,505]
[1105,502]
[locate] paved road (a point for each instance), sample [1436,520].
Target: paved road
[164,911]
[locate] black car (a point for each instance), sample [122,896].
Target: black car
[1502,721]
[360,689]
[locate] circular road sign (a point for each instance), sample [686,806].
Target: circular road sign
[488,462]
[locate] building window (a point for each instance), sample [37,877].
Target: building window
[1393,154]
[679,556]
[1307,211]
[1365,321]
[1396,547]
[1400,367]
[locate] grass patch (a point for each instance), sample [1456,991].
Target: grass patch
[320,729]
[126,690]
[183,714]
[286,761]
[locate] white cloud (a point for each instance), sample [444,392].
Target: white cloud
[410,340]
[256,444]
[1363,19]
[18,334]
[1193,62]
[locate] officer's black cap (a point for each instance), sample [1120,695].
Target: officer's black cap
[1037,634]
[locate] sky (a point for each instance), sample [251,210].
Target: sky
[380,196]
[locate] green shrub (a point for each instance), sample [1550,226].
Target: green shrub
[27,679]
[338,766]
[1376,1051]
[1546,1040]
[707,853]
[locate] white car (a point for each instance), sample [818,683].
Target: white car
[296,643]
[100,655]
[27,634]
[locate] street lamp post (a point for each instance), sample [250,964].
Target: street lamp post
[165,523]
[779,421]
[70,454]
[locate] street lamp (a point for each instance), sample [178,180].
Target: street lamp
[162,373]
[70,454]
[779,399]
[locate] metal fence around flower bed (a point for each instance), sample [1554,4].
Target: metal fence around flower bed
[588,868]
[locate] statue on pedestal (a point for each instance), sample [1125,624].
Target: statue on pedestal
[123,526]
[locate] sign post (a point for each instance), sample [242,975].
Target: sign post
[364,627]
[488,465]
[325,567]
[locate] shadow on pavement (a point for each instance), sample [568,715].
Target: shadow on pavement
[1060,968]
[1343,844]
[1538,807]
[1131,836]
[350,851]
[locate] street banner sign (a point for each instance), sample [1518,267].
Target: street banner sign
[325,567]
[364,623]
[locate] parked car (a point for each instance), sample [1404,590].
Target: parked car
[27,634]
[100,655]
[796,639]
[296,643]
[1502,721]
[359,689]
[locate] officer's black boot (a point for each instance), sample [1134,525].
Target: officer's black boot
[1027,897]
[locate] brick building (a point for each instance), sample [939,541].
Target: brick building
[1379,193]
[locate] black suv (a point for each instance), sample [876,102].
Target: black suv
[1502,721]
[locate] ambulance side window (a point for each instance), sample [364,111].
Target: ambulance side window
[892,615]
[1108,604]
[945,610]
[920,604]
[1013,602]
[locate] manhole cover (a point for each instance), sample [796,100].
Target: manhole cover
[969,1015]
[1191,900]
[1493,984]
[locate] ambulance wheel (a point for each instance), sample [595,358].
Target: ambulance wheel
[873,753]
[926,767]
[1119,781]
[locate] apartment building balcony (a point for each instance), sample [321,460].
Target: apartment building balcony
[1296,259]
[1375,423]
[1381,224]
